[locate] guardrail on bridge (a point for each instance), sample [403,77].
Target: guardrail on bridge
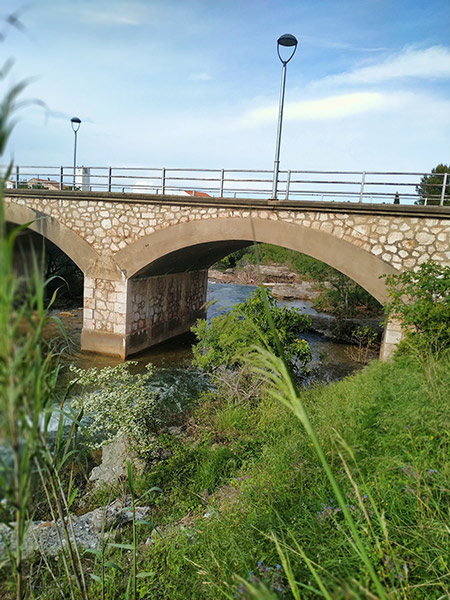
[354,186]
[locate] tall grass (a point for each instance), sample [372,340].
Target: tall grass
[28,374]
[266,483]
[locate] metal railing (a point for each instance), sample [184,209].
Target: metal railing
[344,186]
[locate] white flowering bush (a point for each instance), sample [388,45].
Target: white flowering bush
[119,404]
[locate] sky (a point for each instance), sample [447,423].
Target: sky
[196,83]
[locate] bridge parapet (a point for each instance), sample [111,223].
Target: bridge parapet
[359,186]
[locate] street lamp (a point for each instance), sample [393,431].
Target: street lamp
[289,41]
[76,122]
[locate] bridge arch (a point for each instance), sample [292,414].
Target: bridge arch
[77,249]
[164,246]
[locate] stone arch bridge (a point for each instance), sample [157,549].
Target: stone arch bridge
[145,257]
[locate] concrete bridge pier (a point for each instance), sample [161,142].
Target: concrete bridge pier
[124,316]
[392,336]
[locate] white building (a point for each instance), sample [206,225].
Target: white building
[83,178]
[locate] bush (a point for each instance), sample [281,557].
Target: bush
[224,341]
[421,301]
[345,297]
[119,404]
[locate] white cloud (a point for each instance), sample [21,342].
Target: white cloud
[331,107]
[428,63]
[112,15]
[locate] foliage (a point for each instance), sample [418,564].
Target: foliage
[364,342]
[224,341]
[430,187]
[249,480]
[118,403]
[308,267]
[421,301]
[27,384]
[28,375]
[345,297]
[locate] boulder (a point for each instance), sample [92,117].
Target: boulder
[113,467]
[47,537]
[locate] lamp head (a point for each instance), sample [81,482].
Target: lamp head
[288,41]
[76,122]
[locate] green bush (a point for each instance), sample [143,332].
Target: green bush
[224,341]
[421,301]
[345,297]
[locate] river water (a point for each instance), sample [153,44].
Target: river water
[172,359]
[177,383]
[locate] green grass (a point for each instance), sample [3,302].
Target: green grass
[247,509]
[256,472]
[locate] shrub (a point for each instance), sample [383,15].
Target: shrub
[421,301]
[224,341]
[119,404]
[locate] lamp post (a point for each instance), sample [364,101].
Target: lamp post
[289,41]
[76,122]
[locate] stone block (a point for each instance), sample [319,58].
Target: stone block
[120,307]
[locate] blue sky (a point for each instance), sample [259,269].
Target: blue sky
[195,83]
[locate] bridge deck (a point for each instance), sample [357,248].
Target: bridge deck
[409,210]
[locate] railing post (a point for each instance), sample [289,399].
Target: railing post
[163,180]
[17,178]
[361,192]
[288,185]
[222,179]
[109,178]
[444,185]
[61,178]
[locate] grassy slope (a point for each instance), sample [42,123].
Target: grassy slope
[247,469]
[253,469]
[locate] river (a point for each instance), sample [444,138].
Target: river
[330,359]
[178,383]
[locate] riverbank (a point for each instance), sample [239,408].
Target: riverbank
[258,475]
[283,282]
[240,471]
[287,286]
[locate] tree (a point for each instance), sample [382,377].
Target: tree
[345,297]
[430,187]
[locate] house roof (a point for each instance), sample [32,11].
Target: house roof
[197,194]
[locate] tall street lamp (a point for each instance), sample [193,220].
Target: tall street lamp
[289,41]
[76,122]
